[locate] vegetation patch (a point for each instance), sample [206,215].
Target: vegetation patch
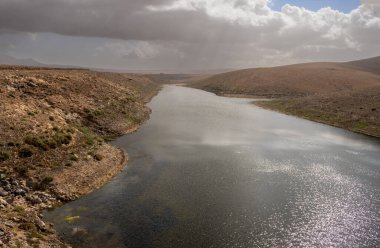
[45,143]
[4,156]
[25,152]
[360,125]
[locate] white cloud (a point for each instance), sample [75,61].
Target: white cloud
[223,33]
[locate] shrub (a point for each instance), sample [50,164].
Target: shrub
[44,183]
[62,138]
[25,152]
[22,170]
[4,156]
[39,142]
[74,157]
[98,157]
[44,143]
[27,226]
[47,179]
[11,143]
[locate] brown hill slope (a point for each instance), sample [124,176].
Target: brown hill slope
[346,95]
[291,81]
[370,65]
[52,129]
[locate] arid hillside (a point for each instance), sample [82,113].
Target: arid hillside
[294,80]
[370,65]
[346,95]
[53,129]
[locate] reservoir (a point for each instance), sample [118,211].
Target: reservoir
[210,171]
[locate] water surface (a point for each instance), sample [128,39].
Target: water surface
[209,171]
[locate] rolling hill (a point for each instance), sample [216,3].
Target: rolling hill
[295,80]
[345,95]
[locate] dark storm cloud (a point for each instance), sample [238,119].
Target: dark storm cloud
[129,20]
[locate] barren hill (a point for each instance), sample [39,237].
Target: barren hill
[294,80]
[346,95]
[370,65]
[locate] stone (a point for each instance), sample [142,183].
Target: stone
[41,225]
[3,192]
[19,192]
[7,188]
[3,202]
[33,199]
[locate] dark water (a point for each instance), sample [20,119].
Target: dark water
[208,171]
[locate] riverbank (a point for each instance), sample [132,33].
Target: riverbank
[54,128]
[358,112]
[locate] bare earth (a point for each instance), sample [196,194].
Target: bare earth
[52,143]
[345,95]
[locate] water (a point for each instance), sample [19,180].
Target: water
[208,171]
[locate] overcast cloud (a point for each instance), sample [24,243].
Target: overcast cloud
[184,34]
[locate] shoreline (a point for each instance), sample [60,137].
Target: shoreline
[270,103]
[261,104]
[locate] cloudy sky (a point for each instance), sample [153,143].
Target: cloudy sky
[184,35]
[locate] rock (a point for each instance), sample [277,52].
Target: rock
[31,84]
[7,188]
[19,192]
[2,233]
[14,183]
[10,224]
[3,192]
[41,225]
[3,202]
[33,199]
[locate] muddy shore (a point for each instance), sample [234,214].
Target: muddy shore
[53,144]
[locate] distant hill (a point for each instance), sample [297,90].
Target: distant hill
[370,65]
[295,80]
[9,60]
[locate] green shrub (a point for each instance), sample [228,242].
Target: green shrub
[11,143]
[4,156]
[27,227]
[22,170]
[44,143]
[39,142]
[62,138]
[25,152]
[74,158]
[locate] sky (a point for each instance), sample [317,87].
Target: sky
[345,6]
[189,35]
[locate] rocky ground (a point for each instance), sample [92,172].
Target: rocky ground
[53,132]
